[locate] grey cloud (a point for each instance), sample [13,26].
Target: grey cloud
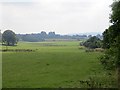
[17,1]
[62,16]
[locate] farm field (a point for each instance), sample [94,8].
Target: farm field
[48,65]
[0,69]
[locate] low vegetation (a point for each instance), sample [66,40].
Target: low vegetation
[17,50]
[92,43]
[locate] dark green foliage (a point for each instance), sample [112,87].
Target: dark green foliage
[115,16]
[109,36]
[9,38]
[106,40]
[108,60]
[111,39]
[93,42]
[111,42]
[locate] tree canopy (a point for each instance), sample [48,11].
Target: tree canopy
[93,42]
[111,41]
[111,36]
[9,38]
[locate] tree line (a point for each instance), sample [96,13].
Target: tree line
[10,38]
[51,35]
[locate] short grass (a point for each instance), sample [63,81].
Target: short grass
[52,65]
[0,73]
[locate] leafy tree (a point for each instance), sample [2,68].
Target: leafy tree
[9,38]
[93,42]
[111,41]
[43,34]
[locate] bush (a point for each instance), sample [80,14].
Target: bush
[95,81]
[92,43]
[108,60]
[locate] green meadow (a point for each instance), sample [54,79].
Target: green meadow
[49,65]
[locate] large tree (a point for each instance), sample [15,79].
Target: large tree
[111,41]
[9,38]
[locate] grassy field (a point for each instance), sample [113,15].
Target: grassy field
[0,69]
[50,65]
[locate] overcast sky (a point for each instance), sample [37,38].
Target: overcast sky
[61,16]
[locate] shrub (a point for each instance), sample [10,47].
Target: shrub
[93,42]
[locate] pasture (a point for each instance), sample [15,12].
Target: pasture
[49,65]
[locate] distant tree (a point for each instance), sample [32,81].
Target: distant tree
[9,38]
[43,34]
[89,36]
[32,38]
[51,34]
[99,36]
[0,36]
[93,42]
